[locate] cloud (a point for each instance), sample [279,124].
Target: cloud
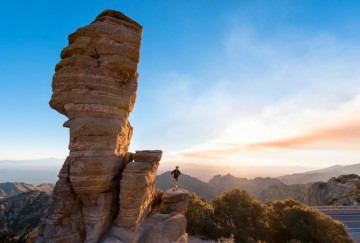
[342,133]
[280,129]
[333,138]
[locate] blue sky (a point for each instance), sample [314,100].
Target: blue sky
[241,82]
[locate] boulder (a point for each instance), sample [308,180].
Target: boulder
[165,228]
[174,201]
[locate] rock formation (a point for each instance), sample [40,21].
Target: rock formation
[101,194]
[343,190]
[21,213]
[174,201]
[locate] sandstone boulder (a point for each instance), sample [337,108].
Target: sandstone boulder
[165,228]
[174,201]
[150,156]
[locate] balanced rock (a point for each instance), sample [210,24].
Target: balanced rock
[174,201]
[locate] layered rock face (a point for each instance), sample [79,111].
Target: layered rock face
[174,201]
[343,190]
[101,194]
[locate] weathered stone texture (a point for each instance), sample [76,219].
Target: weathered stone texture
[94,85]
[102,194]
[165,228]
[137,188]
[64,222]
[174,201]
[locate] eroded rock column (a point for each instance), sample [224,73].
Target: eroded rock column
[95,87]
[137,192]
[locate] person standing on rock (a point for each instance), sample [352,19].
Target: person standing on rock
[175,178]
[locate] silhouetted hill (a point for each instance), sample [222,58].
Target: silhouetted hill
[253,186]
[192,184]
[219,184]
[282,191]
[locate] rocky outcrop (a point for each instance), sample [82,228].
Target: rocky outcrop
[343,190]
[102,195]
[282,191]
[174,201]
[21,213]
[8,189]
[164,228]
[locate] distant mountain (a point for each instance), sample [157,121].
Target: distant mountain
[192,184]
[282,191]
[35,164]
[344,169]
[30,171]
[263,189]
[320,175]
[205,172]
[33,176]
[253,186]
[20,214]
[9,189]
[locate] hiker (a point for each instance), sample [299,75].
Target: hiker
[175,178]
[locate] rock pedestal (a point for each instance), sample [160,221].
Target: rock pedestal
[174,201]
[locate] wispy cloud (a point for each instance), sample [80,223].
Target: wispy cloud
[347,134]
[343,133]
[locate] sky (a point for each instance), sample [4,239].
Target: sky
[232,83]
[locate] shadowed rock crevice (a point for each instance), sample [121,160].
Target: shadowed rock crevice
[104,193]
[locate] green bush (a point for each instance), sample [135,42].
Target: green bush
[236,213]
[290,219]
[200,218]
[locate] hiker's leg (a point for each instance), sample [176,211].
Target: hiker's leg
[174,183]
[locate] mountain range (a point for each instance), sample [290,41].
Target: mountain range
[46,170]
[342,190]
[21,207]
[9,189]
[320,175]
[263,189]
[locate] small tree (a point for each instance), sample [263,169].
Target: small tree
[199,217]
[237,212]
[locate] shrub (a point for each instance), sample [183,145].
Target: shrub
[199,217]
[236,215]
[292,220]
[237,212]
